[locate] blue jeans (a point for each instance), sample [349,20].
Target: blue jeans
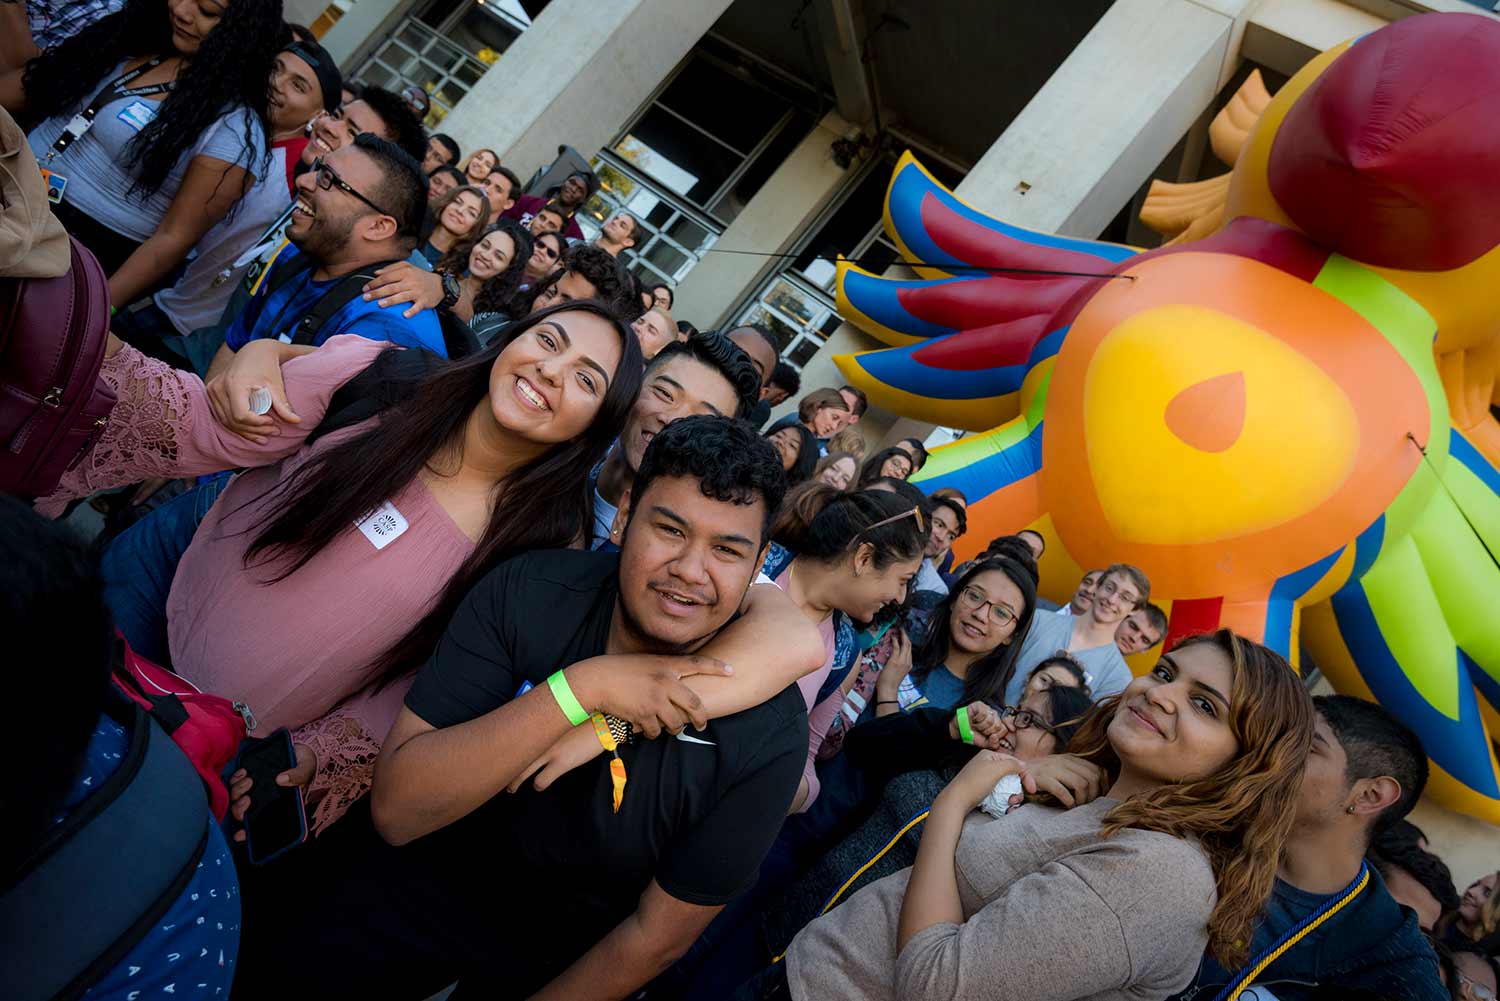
[138,567]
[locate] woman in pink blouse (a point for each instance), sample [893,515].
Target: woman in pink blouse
[321,578]
[324,573]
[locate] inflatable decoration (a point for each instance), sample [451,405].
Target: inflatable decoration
[1283,415]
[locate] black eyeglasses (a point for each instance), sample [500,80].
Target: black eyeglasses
[1026,719]
[329,178]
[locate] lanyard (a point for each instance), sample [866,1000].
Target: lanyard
[1294,935]
[114,90]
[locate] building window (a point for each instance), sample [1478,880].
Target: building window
[797,304]
[716,131]
[672,235]
[445,50]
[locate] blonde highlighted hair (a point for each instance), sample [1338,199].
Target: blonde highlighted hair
[1240,814]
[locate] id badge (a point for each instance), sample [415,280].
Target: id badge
[383,525]
[137,114]
[56,184]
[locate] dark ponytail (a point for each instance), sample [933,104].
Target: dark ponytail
[850,520]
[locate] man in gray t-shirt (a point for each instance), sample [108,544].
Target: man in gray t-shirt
[1089,637]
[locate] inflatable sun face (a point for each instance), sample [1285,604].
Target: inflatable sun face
[1282,415]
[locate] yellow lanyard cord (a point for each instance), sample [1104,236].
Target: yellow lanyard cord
[1247,978]
[616,766]
[913,822]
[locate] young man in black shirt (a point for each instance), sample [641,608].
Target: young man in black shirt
[561,894]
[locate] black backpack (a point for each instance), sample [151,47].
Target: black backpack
[103,877]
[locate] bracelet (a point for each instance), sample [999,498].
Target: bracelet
[887,702]
[604,730]
[965,733]
[566,700]
[620,729]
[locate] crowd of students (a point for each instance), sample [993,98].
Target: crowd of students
[600,683]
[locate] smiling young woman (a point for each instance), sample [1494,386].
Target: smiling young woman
[179,89]
[324,574]
[969,651]
[1203,762]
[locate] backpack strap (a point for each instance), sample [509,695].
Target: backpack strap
[107,873]
[346,291]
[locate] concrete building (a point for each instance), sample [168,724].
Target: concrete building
[754,138]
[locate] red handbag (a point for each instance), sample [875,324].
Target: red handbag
[53,332]
[208,728]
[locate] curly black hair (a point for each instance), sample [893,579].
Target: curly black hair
[727,458]
[231,68]
[724,356]
[498,294]
[405,127]
[612,283]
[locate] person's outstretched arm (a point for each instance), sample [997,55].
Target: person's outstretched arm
[163,424]
[770,646]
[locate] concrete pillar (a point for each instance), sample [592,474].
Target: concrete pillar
[364,22]
[576,75]
[1285,34]
[771,223]
[1096,130]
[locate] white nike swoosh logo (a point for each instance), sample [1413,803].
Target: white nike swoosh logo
[696,740]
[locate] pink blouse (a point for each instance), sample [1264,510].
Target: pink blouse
[298,651]
[820,716]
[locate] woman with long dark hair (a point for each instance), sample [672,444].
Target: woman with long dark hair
[968,653]
[892,462]
[798,450]
[488,274]
[1202,761]
[459,217]
[323,575]
[178,93]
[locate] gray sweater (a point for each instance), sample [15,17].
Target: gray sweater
[1053,911]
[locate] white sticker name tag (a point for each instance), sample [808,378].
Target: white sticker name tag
[383,525]
[137,114]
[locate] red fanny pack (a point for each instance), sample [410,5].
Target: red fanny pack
[208,728]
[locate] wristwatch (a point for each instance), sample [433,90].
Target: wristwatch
[451,293]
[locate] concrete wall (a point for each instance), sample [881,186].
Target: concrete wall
[1103,122]
[771,223]
[576,76]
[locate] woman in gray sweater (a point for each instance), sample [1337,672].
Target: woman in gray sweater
[1116,899]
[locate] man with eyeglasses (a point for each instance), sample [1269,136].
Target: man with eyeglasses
[359,208]
[1089,637]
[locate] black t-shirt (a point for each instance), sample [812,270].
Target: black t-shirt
[700,810]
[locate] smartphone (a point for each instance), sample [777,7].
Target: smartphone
[276,821]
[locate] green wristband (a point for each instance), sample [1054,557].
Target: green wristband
[566,700]
[964,732]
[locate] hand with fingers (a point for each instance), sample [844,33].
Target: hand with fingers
[644,690]
[404,282]
[984,723]
[1067,778]
[975,781]
[254,372]
[240,784]
[575,748]
[897,667]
